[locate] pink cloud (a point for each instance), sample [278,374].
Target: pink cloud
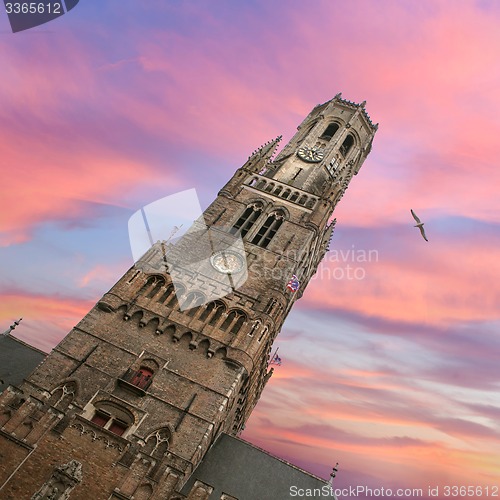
[46,319]
[441,282]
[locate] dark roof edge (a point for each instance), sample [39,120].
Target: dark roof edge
[26,344]
[278,458]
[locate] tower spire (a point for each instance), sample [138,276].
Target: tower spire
[333,474]
[263,155]
[267,150]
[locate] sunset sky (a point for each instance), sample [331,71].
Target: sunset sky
[396,376]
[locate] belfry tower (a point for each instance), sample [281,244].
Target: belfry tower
[130,401]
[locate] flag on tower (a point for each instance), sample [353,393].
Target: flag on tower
[276,360]
[294,284]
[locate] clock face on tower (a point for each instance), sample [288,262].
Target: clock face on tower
[227,262]
[311,155]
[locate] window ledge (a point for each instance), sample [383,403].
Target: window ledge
[131,387]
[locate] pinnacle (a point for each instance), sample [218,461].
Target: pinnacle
[267,150]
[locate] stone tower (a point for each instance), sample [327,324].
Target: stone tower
[129,402]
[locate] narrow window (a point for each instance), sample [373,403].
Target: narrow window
[167,294]
[234,321]
[255,326]
[216,316]
[264,331]
[330,131]
[268,230]
[159,282]
[229,319]
[270,306]
[278,190]
[172,301]
[192,303]
[346,145]
[247,220]
[134,276]
[294,196]
[286,193]
[250,222]
[238,324]
[149,283]
[207,311]
[246,214]
[303,200]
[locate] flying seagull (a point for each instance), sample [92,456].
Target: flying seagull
[420,225]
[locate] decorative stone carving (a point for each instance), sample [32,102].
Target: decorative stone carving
[63,480]
[95,436]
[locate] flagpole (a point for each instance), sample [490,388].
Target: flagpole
[11,327]
[274,355]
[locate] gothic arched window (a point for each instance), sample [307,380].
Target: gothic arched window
[63,394]
[347,145]
[234,321]
[330,131]
[278,190]
[268,230]
[152,286]
[193,301]
[173,298]
[207,311]
[302,200]
[238,324]
[168,292]
[158,442]
[247,220]
[213,312]
[294,196]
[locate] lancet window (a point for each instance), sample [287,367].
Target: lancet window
[347,145]
[247,219]
[329,131]
[268,229]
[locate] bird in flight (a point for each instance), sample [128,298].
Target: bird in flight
[420,225]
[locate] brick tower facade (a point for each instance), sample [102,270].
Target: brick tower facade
[129,402]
